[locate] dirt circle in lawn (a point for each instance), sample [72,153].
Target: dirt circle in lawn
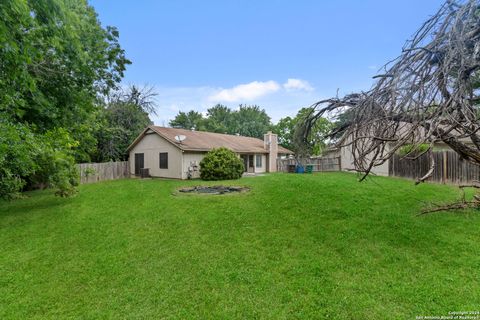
[214,189]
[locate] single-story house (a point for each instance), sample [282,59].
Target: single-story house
[176,153]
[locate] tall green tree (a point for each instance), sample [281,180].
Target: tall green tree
[125,116]
[189,120]
[285,129]
[219,119]
[250,121]
[317,140]
[56,56]
[56,61]
[341,123]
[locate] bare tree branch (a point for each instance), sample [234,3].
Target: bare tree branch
[427,94]
[430,93]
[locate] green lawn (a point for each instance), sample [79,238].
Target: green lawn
[296,246]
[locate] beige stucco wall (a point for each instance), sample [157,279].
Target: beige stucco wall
[151,145]
[331,153]
[348,163]
[189,160]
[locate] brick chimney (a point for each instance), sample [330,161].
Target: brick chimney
[270,142]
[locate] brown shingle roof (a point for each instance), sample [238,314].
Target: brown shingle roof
[205,141]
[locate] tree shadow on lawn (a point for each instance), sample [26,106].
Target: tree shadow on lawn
[33,202]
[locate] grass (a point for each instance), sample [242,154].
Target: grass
[296,246]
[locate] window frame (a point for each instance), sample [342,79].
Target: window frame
[251,159]
[258,156]
[165,160]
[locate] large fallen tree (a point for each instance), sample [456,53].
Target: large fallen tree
[429,94]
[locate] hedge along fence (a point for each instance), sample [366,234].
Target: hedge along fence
[449,168]
[319,164]
[94,172]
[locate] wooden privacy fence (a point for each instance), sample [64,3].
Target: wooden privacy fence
[319,164]
[448,168]
[94,172]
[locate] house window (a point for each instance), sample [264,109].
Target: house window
[163,160]
[258,161]
[139,163]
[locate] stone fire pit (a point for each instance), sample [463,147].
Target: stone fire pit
[214,189]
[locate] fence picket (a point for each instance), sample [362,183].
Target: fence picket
[103,171]
[449,168]
[319,164]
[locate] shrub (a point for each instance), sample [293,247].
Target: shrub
[29,160]
[221,164]
[89,172]
[56,163]
[57,170]
[412,149]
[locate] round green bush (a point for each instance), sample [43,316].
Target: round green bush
[221,164]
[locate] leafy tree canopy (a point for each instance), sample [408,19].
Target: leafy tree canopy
[189,120]
[124,117]
[285,129]
[250,121]
[219,119]
[56,59]
[56,62]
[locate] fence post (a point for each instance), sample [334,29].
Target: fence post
[392,163]
[445,166]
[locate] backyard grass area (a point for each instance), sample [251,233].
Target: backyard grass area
[295,246]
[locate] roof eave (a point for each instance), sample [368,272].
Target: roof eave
[142,134]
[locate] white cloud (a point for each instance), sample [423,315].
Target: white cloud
[246,92]
[297,84]
[278,101]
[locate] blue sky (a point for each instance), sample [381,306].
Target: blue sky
[281,55]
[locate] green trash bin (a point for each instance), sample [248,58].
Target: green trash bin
[309,168]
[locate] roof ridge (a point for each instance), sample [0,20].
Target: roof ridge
[201,131]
